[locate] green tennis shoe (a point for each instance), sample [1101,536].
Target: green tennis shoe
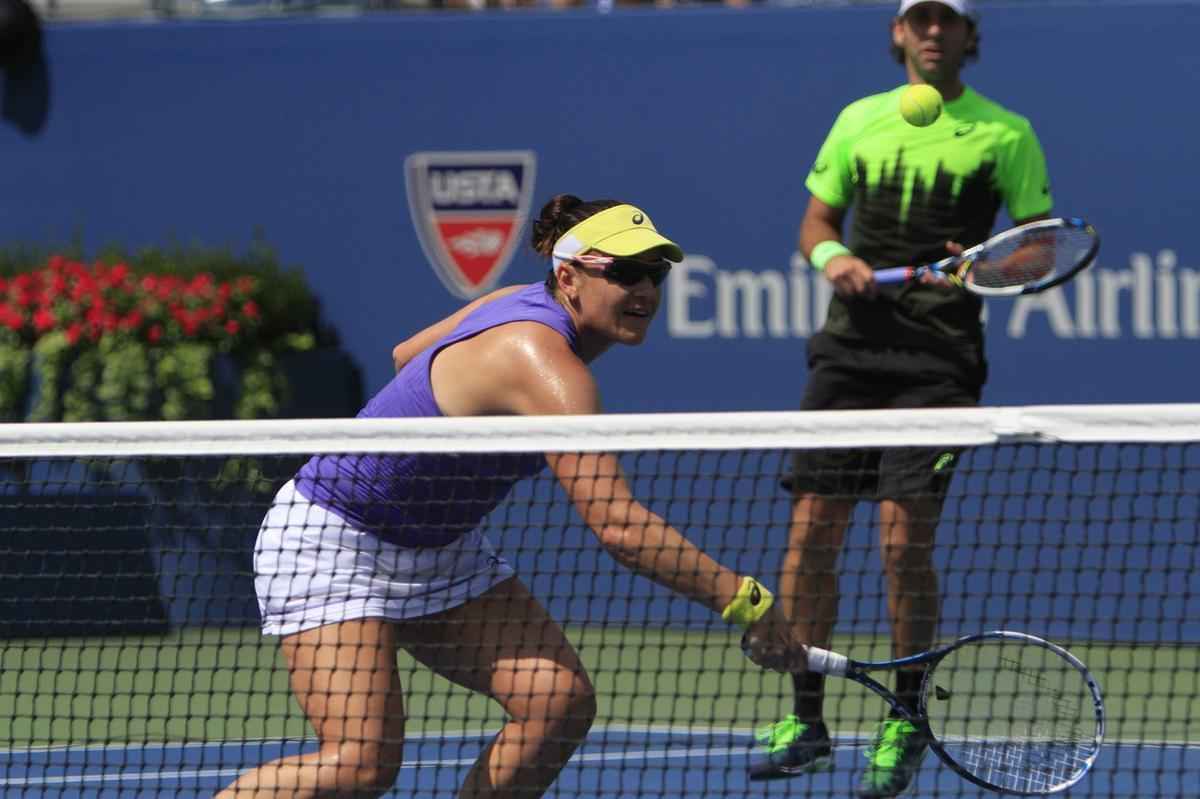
[893,759]
[793,747]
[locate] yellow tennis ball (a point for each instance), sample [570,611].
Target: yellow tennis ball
[920,104]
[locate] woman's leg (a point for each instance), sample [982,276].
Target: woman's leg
[505,645]
[344,676]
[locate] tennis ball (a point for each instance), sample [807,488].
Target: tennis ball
[920,104]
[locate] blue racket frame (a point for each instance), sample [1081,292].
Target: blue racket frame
[832,663]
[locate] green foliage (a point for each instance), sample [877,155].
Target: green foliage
[183,373]
[14,375]
[127,384]
[50,358]
[263,387]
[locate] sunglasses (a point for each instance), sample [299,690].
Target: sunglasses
[626,272]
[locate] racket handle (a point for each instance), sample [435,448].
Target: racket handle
[822,661]
[896,274]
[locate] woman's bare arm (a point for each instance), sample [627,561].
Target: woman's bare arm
[636,537]
[549,379]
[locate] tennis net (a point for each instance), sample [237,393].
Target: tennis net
[132,662]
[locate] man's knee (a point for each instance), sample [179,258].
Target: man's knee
[907,559]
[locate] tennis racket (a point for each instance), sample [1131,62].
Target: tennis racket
[1023,260]
[1008,711]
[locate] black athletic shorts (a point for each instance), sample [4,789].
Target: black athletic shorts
[846,376]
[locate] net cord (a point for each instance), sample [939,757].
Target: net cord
[1147,423]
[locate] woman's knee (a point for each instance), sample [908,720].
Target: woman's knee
[363,768]
[572,709]
[584,708]
[565,705]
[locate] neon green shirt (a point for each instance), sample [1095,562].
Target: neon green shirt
[912,190]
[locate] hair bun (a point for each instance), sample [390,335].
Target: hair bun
[549,224]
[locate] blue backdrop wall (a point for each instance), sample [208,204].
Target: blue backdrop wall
[207,132]
[709,119]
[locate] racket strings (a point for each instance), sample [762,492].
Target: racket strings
[1023,767]
[1017,716]
[1031,258]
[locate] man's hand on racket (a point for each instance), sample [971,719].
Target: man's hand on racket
[851,276]
[941,279]
[770,643]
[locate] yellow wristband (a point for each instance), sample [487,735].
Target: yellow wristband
[825,251]
[749,604]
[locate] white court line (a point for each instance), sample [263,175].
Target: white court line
[641,729]
[191,774]
[855,740]
[597,731]
[163,745]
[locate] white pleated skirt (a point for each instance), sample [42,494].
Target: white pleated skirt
[313,568]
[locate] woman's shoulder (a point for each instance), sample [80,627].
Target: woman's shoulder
[522,367]
[537,339]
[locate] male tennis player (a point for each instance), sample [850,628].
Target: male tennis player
[917,193]
[364,554]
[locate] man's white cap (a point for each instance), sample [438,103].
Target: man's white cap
[963,7]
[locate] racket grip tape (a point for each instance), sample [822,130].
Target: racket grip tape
[895,274]
[822,661]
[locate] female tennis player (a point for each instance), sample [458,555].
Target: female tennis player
[364,554]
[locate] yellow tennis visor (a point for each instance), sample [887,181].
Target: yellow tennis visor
[622,230]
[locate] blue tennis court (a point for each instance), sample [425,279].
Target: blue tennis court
[614,762]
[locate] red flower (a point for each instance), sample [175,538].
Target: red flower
[201,283]
[44,320]
[186,320]
[11,318]
[131,320]
[88,300]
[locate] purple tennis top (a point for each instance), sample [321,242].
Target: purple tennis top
[430,499]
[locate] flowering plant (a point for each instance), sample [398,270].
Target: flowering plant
[138,338]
